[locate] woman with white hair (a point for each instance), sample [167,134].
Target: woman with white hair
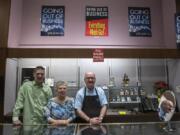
[60,109]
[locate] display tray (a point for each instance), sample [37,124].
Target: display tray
[131,102]
[141,128]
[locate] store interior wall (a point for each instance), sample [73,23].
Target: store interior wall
[152,70]
[10,84]
[168,11]
[24,29]
[72,70]
[174,79]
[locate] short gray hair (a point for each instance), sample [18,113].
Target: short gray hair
[60,83]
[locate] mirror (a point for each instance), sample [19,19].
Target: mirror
[166,108]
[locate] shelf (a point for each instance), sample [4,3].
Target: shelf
[132,102]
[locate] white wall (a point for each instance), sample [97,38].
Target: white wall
[169,10]
[152,70]
[10,85]
[99,68]
[174,77]
[64,69]
[118,67]
[15,23]
[75,25]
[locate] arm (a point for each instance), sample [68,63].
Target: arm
[78,106]
[103,112]
[98,120]
[83,115]
[50,120]
[47,113]
[95,120]
[103,101]
[71,110]
[50,110]
[18,106]
[58,122]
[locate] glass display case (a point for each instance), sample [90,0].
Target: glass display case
[143,128]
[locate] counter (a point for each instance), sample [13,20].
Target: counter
[142,128]
[114,117]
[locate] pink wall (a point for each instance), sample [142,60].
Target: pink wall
[15,23]
[28,27]
[168,10]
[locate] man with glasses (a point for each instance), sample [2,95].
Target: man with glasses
[91,102]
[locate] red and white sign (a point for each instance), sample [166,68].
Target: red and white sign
[96,21]
[98,55]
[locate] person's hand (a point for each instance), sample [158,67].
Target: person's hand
[95,121]
[17,123]
[101,118]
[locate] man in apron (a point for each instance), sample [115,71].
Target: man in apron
[91,102]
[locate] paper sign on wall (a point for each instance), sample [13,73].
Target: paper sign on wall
[139,21]
[177,20]
[52,20]
[96,21]
[98,55]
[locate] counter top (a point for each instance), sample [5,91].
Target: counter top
[141,128]
[114,117]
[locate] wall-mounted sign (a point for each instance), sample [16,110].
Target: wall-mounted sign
[52,20]
[98,55]
[177,20]
[96,21]
[139,21]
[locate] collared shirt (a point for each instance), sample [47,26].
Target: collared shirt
[61,111]
[80,96]
[32,99]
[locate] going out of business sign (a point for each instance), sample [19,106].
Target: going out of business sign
[177,20]
[52,20]
[139,21]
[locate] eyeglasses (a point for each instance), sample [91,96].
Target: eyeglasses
[88,78]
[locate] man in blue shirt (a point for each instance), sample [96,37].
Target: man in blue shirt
[91,102]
